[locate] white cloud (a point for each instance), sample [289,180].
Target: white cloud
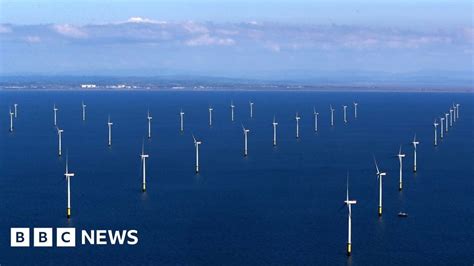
[5,29]
[194,27]
[70,31]
[32,39]
[206,40]
[272,46]
[144,20]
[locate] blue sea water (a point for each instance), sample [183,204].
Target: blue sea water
[280,205]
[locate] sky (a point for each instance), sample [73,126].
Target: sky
[228,38]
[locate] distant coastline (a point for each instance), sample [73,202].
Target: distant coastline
[99,83]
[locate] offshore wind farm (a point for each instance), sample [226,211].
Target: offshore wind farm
[203,132]
[204,203]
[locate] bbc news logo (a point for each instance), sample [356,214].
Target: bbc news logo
[66,237]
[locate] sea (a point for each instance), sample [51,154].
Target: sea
[281,205]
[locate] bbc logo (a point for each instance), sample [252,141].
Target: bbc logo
[42,237]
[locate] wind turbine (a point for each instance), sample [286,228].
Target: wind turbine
[15,106]
[457,111]
[181,115]
[345,113]
[246,131]
[149,118]
[400,156]
[451,117]
[355,109]
[68,176]
[297,118]
[332,115]
[251,109]
[349,203]
[11,119]
[380,176]
[110,131]
[446,120]
[83,111]
[196,144]
[441,123]
[415,143]
[275,124]
[232,106]
[454,113]
[435,124]
[316,114]
[210,116]
[143,157]
[55,110]
[60,131]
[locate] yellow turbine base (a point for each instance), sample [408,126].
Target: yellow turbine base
[144,188]
[68,213]
[349,249]
[380,211]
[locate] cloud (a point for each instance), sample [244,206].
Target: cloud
[32,39]
[194,27]
[5,29]
[69,31]
[206,40]
[144,20]
[270,37]
[274,47]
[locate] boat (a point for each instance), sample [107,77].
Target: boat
[402,214]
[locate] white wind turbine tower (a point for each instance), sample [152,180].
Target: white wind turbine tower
[297,118]
[11,119]
[441,123]
[457,111]
[332,115]
[196,144]
[83,111]
[316,114]
[400,156]
[149,118]
[446,115]
[415,143]
[109,124]
[380,176]
[349,203]
[345,113]
[246,131]
[68,176]
[275,124]
[60,131]
[55,110]
[355,109]
[143,157]
[15,106]
[210,115]
[451,117]
[454,113]
[232,106]
[435,124]
[181,115]
[251,109]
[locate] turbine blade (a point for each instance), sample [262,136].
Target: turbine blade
[347,188]
[376,165]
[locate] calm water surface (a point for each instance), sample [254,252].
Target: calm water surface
[280,205]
